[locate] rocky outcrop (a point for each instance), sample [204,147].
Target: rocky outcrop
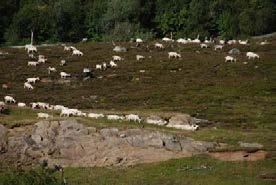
[72,144]
[119,49]
[182,119]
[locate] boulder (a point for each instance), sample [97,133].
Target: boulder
[234,51]
[251,145]
[172,143]
[190,145]
[182,119]
[119,49]
[109,132]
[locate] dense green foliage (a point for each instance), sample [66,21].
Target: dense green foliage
[41,175]
[71,20]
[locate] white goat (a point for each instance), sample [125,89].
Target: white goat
[43,115]
[33,63]
[77,53]
[64,75]
[95,115]
[241,42]
[231,42]
[117,58]
[159,46]
[115,117]
[33,80]
[138,40]
[113,64]
[67,48]
[166,39]
[222,42]
[252,55]
[182,41]
[139,57]
[21,104]
[230,59]
[9,99]
[216,47]
[32,49]
[62,62]
[185,127]
[42,60]
[133,117]
[51,69]
[104,65]
[174,55]
[264,43]
[203,45]
[28,86]
[99,66]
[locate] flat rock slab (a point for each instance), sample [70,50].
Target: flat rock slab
[72,144]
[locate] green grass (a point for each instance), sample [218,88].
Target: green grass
[197,170]
[178,171]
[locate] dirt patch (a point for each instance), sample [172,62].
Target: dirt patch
[239,155]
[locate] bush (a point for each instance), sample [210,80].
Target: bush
[39,176]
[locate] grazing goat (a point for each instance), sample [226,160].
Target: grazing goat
[115,117]
[113,64]
[62,62]
[64,75]
[117,58]
[182,41]
[43,115]
[133,117]
[222,42]
[252,55]
[51,69]
[31,55]
[99,66]
[158,46]
[21,104]
[33,80]
[139,41]
[139,57]
[32,49]
[42,60]
[104,66]
[231,42]
[174,55]
[241,42]
[9,99]
[264,43]
[166,39]
[95,115]
[33,63]
[203,45]
[216,47]
[67,48]
[28,86]
[230,59]
[185,127]
[77,53]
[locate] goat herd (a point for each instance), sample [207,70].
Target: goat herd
[65,111]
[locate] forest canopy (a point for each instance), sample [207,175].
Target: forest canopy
[72,20]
